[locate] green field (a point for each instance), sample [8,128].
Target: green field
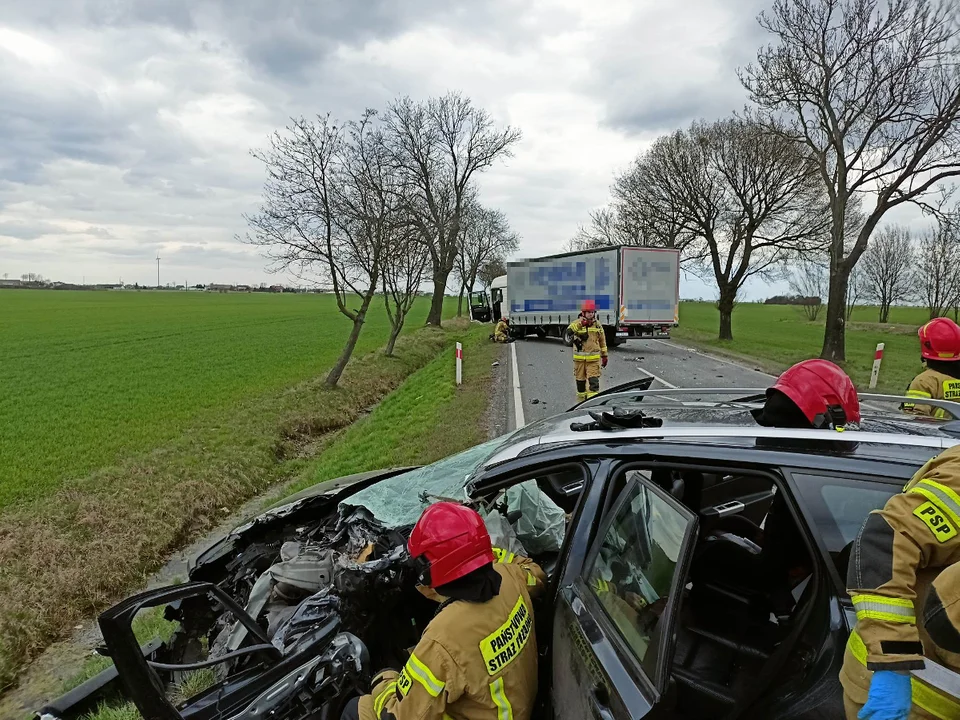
[780,336]
[88,378]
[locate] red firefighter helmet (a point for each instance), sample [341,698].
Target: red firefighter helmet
[588,306]
[823,392]
[940,340]
[452,540]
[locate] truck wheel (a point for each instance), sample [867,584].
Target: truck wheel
[612,339]
[568,337]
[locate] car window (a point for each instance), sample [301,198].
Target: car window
[838,506]
[632,572]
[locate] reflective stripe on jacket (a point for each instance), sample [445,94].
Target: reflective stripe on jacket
[931,384]
[593,339]
[475,661]
[925,697]
[917,529]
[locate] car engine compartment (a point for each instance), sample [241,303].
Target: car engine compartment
[291,614]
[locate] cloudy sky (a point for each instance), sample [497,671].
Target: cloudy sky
[125,125]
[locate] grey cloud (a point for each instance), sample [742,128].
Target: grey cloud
[644,97]
[26,230]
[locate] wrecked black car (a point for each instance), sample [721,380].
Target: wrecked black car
[696,566]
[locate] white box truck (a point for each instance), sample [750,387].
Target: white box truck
[636,291]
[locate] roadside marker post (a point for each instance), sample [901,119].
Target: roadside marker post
[877,357]
[459,363]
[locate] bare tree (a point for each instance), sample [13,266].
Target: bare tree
[405,261]
[745,197]
[872,91]
[486,235]
[887,269]
[324,212]
[607,228]
[809,281]
[439,146]
[491,270]
[937,263]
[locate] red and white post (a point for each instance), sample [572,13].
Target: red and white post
[878,356]
[459,363]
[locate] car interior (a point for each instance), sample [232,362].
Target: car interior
[749,579]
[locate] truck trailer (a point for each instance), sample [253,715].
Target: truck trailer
[636,291]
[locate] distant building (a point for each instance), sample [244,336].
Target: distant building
[217,287]
[10,283]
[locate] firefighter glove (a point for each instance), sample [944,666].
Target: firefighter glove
[889,697]
[603,361]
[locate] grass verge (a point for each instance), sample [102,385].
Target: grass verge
[777,336]
[68,556]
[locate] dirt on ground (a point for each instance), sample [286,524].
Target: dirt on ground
[497,414]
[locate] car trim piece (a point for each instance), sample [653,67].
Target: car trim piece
[684,432]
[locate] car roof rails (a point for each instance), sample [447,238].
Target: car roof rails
[752,396]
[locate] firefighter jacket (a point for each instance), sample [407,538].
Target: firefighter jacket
[475,661]
[501,332]
[917,530]
[591,339]
[935,385]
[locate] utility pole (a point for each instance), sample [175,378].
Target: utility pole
[158,270]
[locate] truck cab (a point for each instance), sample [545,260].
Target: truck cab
[498,298]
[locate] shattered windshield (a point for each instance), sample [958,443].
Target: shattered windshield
[398,501]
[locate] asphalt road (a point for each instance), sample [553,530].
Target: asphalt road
[544,373]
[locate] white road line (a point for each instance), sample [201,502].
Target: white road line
[658,379]
[713,357]
[517,400]
[662,382]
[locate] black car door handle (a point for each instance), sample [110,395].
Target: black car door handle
[599,697]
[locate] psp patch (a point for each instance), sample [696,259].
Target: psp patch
[502,647]
[935,520]
[404,683]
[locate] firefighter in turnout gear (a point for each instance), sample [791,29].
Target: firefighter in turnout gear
[589,351]
[940,352]
[477,659]
[900,550]
[501,333]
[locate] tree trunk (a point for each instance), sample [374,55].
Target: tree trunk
[725,306]
[337,370]
[394,334]
[884,312]
[440,277]
[834,334]
[460,303]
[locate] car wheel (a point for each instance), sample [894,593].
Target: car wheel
[568,337]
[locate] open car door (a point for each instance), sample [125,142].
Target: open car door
[615,625]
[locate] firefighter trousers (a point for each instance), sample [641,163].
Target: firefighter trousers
[587,375]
